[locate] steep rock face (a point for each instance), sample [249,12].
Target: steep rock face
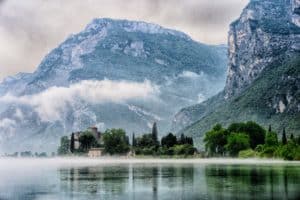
[265,30]
[266,34]
[273,98]
[36,109]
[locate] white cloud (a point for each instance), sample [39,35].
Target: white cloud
[5,123]
[201,98]
[7,126]
[189,74]
[19,114]
[50,103]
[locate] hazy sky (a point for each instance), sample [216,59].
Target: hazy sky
[29,29]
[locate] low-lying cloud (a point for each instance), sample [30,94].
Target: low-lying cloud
[50,103]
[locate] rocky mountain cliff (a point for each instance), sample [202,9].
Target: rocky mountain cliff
[265,30]
[115,73]
[262,42]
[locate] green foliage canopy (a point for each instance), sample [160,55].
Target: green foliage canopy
[116,141]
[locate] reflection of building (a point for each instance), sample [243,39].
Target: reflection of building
[93,130]
[95,152]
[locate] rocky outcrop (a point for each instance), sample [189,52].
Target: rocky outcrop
[266,33]
[265,30]
[286,98]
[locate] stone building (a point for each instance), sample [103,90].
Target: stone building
[95,152]
[94,130]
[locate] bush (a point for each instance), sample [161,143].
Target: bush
[269,151]
[184,149]
[290,151]
[259,148]
[249,153]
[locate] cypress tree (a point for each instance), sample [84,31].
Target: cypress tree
[284,140]
[292,136]
[182,139]
[270,128]
[154,132]
[133,140]
[72,145]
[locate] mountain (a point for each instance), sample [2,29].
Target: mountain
[263,77]
[115,73]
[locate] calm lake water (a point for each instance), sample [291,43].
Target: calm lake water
[41,179]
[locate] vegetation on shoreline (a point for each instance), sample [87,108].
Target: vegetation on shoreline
[116,142]
[249,139]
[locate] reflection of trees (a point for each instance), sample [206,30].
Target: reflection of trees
[147,177]
[162,181]
[94,181]
[248,182]
[181,182]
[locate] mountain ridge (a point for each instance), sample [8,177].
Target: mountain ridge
[109,56]
[265,37]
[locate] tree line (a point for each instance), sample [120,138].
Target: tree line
[116,142]
[250,140]
[148,144]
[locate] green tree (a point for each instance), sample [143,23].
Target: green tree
[87,140]
[133,140]
[64,146]
[270,128]
[284,140]
[290,151]
[237,142]
[145,140]
[154,132]
[255,132]
[72,143]
[215,140]
[292,136]
[271,139]
[115,141]
[169,141]
[185,140]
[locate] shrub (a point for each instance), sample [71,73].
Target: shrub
[290,151]
[184,149]
[249,153]
[269,151]
[259,148]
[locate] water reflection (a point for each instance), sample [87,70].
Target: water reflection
[154,181]
[255,182]
[91,182]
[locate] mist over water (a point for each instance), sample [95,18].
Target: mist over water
[112,178]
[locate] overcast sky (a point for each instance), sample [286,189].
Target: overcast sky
[29,29]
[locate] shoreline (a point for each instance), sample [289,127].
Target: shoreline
[85,161]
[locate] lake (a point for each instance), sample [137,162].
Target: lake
[148,179]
